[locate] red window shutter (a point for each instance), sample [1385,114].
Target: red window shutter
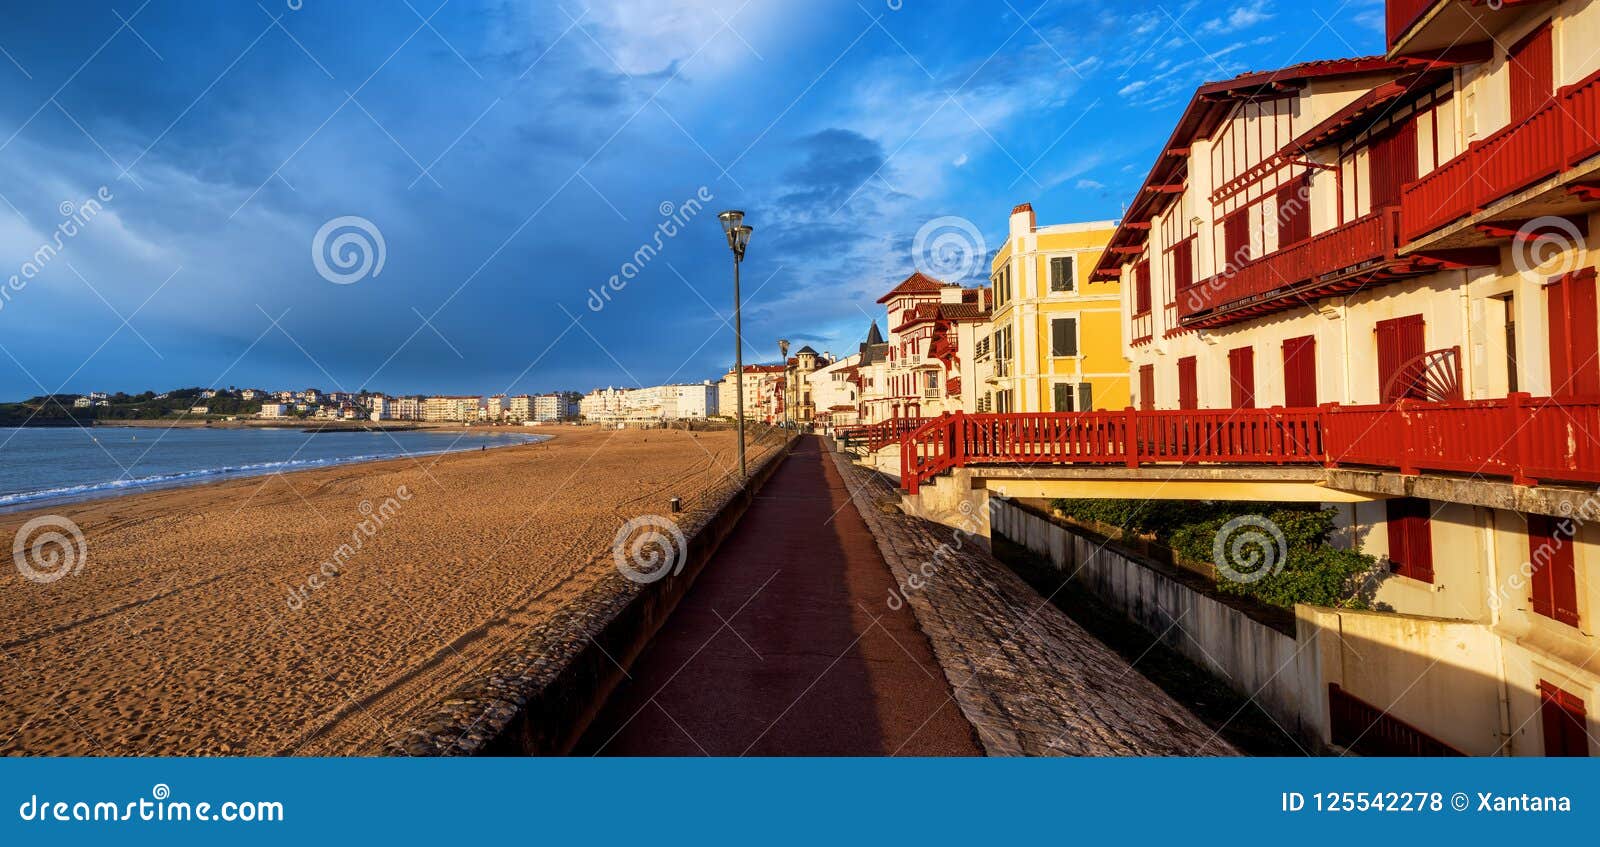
[1410,538]
[1393,163]
[1564,721]
[1532,66]
[1574,345]
[1188,384]
[1236,239]
[1555,578]
[1141,288]
[1294,211]
[1183,265]
[1242,377]
[1400,342]
[1147,386]
[1300,371]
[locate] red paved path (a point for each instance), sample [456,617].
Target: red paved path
[786,645]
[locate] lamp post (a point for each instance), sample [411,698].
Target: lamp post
[738,234]
[783,357]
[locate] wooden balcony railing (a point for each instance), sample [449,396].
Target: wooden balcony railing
[1520,437]
[1402,14]
[1364,240]
[1557,137]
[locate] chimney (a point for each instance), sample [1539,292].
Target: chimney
[1022,220]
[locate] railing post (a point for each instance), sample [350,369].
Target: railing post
[1324,422]
[1280,441]
[1519,422]
[1407,462]
[908,477]
[1130,437]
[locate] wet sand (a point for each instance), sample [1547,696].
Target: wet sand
[202,621]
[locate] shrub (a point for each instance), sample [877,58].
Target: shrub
[1311,571]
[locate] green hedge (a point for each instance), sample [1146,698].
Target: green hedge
[1311,572]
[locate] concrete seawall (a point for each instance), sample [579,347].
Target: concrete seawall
[539,697]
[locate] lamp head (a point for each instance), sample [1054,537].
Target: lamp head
[731,219]
[739,239]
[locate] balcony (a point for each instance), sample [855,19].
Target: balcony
[1422,26]
[1551,142]
[1525,439]
[1338,260]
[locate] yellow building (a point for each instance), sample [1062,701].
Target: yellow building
[1057,338]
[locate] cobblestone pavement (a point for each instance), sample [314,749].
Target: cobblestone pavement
[1032,681]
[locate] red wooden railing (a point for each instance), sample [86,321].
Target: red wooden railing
[1372,237]
[877,436]
[1524,438]
[1402,14]
[1555,138]
[1371,731]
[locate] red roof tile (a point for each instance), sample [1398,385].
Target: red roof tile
[917,283]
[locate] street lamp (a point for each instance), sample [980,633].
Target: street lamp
[738,234]
[783,352]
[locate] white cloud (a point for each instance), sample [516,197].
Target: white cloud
[1240,18]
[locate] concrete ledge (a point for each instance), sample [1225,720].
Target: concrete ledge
[1553,500]
[539,696]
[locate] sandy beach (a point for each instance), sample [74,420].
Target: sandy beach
[196,626]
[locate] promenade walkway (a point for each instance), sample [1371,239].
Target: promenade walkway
[786,645]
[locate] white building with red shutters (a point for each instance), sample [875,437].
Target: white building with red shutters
[1402,236]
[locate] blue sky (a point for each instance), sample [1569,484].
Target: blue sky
[514,156]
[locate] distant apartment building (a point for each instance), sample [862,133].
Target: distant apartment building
[451,409]
[556,406]
[763,393]
[493,408]
[82,403]
[274,410]
[654,404]
[833,392]
[407,408]
[379,407]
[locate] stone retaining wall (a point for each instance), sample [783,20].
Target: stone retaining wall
[1253,658]
[538,697]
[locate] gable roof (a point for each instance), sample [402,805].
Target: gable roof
[1208,108]
[917,283]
